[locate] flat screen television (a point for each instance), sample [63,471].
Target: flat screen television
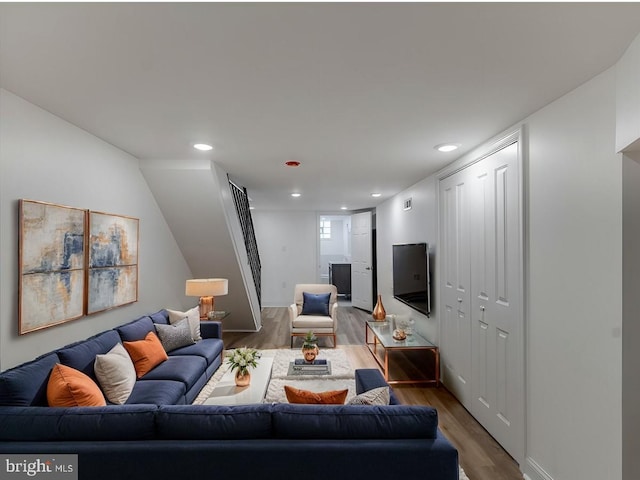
[411,284]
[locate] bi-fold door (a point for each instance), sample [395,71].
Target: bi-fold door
[481,281]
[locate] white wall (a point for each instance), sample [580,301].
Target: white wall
[631,326]
[288,243]
[628,98]
[395,225]
[628,140]
[573,282]
[574,286]
[45,158]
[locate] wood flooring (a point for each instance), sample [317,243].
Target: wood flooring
[480,455]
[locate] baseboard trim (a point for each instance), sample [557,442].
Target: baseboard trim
[533,471]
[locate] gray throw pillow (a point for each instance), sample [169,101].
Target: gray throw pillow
[175,336]
[377,396]
[193,314]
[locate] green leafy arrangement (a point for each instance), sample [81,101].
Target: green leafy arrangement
[309,341]
[243,358]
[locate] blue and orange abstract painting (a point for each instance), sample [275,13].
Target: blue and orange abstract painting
[113,261]
[52,264]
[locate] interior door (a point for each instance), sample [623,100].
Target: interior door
[497,347]
[455,290]
[361,261]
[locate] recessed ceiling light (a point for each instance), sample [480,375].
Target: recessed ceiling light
[447,147]
[343,208]
[376,195]
[251,207]
[203,146]
[296,194]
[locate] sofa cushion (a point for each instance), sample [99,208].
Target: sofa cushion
[297,395]
[315,303]
[211,422]
[146,354]
[82,355]
[193,315]
[180,369]
[158,392]
[122,422]
[68,387]
[161,317]
[116,374]
[354,421]
[26,384]
[211,329]
[207,348]
[175,336]
[136,330]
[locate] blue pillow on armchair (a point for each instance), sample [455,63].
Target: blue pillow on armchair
[315,303]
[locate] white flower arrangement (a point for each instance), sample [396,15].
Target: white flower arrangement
[243,358]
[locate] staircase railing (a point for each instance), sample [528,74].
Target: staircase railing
[241,201]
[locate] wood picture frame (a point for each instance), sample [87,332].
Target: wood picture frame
[52,251]
[112,273]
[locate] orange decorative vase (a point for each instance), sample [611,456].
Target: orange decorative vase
[310,354]
[242,380]
[379,314]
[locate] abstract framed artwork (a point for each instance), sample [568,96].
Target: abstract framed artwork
[52,264]
[113,261]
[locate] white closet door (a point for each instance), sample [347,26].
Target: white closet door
[496,307]
[482,347]
[455,282]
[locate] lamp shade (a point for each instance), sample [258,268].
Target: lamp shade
[206,287]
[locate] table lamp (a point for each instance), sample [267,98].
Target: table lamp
[206,289]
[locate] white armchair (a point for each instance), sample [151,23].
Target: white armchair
[321,325]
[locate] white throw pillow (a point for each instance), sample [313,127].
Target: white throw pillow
[193,315]
[116,374]
[376,396]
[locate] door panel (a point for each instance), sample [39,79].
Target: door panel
[456,328]
[361,261]
[495,277]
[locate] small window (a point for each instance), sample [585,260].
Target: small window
[325,229]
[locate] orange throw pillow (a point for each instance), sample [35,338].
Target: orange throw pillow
[295,395]
[68,387]
[146,353]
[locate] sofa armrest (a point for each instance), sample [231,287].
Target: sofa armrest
[370,378]
[211,329]
[293,313]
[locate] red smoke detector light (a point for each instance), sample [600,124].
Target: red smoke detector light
[292,163]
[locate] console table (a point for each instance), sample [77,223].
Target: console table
[382,333]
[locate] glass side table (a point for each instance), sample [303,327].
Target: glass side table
[383,344]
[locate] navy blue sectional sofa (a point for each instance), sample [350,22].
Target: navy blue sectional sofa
[178,380]
[158,435]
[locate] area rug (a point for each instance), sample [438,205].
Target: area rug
[342,375]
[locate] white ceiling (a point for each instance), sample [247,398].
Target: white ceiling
[358,92]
